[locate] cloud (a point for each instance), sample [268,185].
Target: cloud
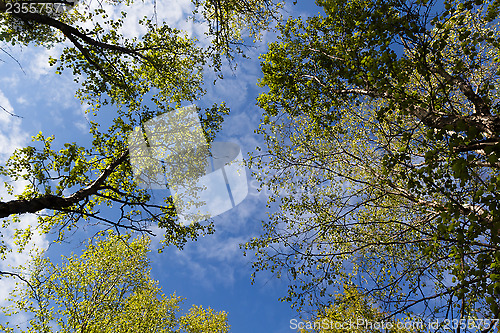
[210,261]
[82,122]
[18,258]
[11,137]
[217,260]
[173,12]
[39,62]
[11,134]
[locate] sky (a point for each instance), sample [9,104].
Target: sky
[211,271]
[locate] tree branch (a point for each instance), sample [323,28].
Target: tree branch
[480,106]
[49,201]
[68,31]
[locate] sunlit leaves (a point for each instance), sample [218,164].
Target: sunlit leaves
[108,288]
[354,312]
[382,128]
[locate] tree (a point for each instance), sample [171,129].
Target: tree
[352,312]
[383,137]
[108,288]
[135,79]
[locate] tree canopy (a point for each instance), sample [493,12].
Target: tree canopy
[382,129]
[134,79]
[108,288]
[383,142]
[68,184]
[352,312]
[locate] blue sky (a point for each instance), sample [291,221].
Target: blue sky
[210,272]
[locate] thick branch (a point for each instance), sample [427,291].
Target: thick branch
[480,106]
[49,201]
[68,31]
[477,146]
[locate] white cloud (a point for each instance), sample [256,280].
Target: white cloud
[15,259]
[83,126]
[23,101]
[10,81]
[11,137]
[173,12]
[11,134]
[39,64]
[210,261]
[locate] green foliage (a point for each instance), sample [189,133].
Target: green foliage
[353,312]
[230,20]
[383,134]
[108,288]
[132,80]
[139,78]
